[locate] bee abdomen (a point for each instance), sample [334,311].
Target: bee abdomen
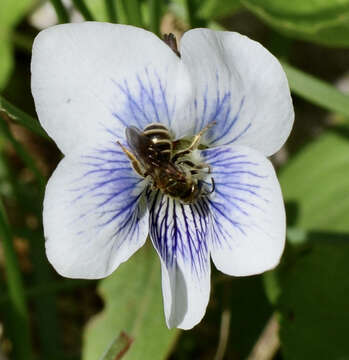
[160,138]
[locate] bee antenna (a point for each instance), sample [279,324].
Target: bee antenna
[205,193]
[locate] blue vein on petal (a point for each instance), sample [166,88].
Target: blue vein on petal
[219,108]
[144,102]
[179,230]
[239,184]
[108,184]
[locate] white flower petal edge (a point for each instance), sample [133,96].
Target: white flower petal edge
[249,227]
[179,234]
[239,84]
[185,295]
[94,218]
[90,76]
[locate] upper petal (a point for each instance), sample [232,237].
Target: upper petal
[94,216]
[91,76]
[247,209]
[240,85]
[180,234]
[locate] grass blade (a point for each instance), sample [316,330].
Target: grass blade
[111,11]
[19,316]
[22,118]
[317,91]
[83,9]
[62,13]
[155,11]
[23,154]
[133,12]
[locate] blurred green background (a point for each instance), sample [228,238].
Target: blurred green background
[298,311]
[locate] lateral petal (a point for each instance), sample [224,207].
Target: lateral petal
[249,227]
[94,213]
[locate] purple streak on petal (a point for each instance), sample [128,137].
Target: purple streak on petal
[203,121]
[179,230]
[228,123]
[239,183]
[222,108]
[240,134]
[134,106]
[111,191]
[162,90]
[142,101]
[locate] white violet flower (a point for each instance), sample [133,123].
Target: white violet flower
[197,180]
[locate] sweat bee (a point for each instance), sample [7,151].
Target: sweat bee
[152,154]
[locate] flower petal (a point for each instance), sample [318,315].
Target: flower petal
[94,214]
[247,209]
[179,233]
[91,76]
[241,86]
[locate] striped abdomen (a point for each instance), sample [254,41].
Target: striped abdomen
[161,140]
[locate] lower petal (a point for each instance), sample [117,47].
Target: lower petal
[180,233]
[247,211]
[94,217]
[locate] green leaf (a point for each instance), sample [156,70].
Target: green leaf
[312,286]
[213,9]
[314,301]
[322,21]
[317,181]
[317,91]
[11,12]
[6,63]
[133,303]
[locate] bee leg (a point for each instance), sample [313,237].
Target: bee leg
[200,166]
[135,163]
[203,166]
[213,186]
[195,143]
[212,189]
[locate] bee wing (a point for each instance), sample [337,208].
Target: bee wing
[138,143]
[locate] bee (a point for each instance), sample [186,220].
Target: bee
[152,154]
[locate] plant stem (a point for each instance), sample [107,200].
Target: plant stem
[22,118]
[119,347]
[61,11]
[19,316]
[155,10]
[268,342]
[133,12]
[111,10]
[83,9]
